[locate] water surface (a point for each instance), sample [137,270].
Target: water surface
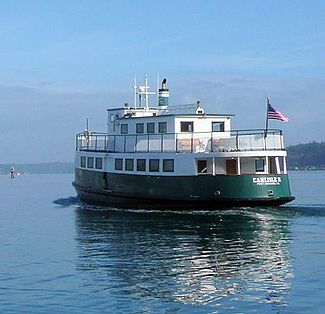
[60,256]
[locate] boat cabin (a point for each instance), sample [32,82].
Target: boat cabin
[141,132]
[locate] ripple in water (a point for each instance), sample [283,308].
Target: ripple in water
[192,258]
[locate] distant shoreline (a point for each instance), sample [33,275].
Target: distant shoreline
[310,156]
[68,168]
[301,157]
[38,168]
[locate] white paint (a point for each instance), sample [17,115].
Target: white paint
[184,147]
[277,164]
[284,165]
[238,166]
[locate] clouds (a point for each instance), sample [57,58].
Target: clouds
[40,125]
[300,99]
[37,125]
[62,61]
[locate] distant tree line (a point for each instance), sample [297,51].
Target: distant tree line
[310,156]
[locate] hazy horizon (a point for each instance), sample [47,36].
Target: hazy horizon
[62,62]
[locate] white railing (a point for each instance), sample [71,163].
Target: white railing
[242,140]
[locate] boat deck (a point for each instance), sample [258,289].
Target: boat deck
[195,142]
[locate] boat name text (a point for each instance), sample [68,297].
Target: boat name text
[267,181]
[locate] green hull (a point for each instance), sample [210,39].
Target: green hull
[182,191]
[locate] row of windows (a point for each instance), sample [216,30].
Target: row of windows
[150,128]
[231,166]
[90,162]
[141,165]
[186,126]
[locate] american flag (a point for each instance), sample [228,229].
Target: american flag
[275,114]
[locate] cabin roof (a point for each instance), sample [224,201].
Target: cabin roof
[132,108]
[180,116]
[156,110]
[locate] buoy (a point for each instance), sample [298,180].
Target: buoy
[12,172]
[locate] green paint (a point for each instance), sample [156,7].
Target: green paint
[187,188]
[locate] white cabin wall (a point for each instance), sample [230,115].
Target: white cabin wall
[202,123]
[227,124]
[112,119]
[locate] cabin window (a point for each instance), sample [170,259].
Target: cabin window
[162,127]
[272,165]
[99,163]
[112,117]
[281,164]
[202,167]
[83,161]
[124,128]
[150,127]
[168,165]
[187,126]
[141,165]
[118,164]
[218,126]
[90,162]
[139,128]
[129,164]
[260,165]
[154,165]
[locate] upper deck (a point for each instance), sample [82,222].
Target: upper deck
[145,129]
[194,142]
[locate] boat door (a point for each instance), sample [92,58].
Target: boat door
[231,167]
[105,181]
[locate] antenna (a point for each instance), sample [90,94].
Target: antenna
[146,87]
[143,90]
[87,133]
[157,91]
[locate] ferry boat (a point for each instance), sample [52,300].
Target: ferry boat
[179,156]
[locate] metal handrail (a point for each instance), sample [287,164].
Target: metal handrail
[192,142]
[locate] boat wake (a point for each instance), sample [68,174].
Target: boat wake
[288,210]
[67,201]
[306,209]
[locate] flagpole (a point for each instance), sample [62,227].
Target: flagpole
[267,116]
[266,121]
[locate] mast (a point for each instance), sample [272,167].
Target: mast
[267,116]
[142,90]
[157,90]
[146,87]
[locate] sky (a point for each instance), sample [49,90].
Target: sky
[64,61]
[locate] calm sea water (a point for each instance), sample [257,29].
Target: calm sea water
[59,256]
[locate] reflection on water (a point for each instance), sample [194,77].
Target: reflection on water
[189,258]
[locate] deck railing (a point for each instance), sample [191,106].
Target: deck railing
[196,142]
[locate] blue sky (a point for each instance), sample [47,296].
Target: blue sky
[61,61]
